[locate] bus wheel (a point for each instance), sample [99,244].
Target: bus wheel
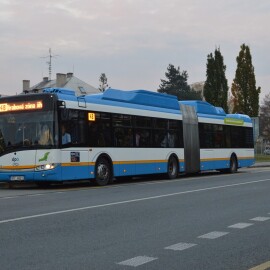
[172,168]
[233,164]
[103,172]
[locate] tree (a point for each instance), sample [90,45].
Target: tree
[103,85]
[244,91]
[265,117]
[177,84]
[230,103]
[216,85]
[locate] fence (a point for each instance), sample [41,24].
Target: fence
[260,146]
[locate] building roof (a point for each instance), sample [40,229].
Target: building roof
[66,81]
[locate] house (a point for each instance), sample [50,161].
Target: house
[198,86]
[67,81]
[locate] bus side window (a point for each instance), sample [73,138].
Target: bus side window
[118,137]
[159,138]
[128,138]
[93,134]
[146,138]
[171,139]
[101,139]
[137,138]
[74,121]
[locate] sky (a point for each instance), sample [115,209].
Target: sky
[131,41]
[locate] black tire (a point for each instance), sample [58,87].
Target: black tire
[103,172]
[233,165]
[173,166]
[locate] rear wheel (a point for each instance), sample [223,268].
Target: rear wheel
[233,165]
[172,167]
[103,172]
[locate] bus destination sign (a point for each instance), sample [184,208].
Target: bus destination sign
[21,106]
[233,121]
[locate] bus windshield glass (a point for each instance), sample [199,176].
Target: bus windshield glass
[24,128]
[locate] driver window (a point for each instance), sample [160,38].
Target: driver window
[73,128]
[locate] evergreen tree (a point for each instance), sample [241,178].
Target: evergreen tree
[216,85]
[177,84]
[103,82]
[265,117]
[244,91]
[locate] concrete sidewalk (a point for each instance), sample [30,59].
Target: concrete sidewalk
[261,164]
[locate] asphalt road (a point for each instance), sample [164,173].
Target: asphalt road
[212,221]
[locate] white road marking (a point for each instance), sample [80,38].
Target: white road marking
[260,218]
[240,225]
[213,235]
[181,246]
[131,201]
[9,197]
[25,195]
[263,266]
[34,195]
[137,261]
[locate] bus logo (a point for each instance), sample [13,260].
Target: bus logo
[45,157]
[14,159]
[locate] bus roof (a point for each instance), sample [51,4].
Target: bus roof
[203,107]
[148,99]
[142,97]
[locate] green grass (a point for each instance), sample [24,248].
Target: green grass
[262,158]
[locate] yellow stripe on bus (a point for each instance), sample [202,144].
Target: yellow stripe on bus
[24,167]
[77,164]
[212,159]
[142,161]
[215,159]
[138,162]
[246,158]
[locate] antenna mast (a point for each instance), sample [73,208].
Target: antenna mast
[50,56]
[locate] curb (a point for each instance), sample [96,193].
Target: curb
[266,164]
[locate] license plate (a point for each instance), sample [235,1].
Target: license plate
[17,178]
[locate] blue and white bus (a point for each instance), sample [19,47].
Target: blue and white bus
[117,134]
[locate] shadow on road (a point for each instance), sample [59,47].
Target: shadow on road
[89,184]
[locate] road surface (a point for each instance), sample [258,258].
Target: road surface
[211,221]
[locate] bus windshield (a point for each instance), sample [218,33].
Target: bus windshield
[26,130]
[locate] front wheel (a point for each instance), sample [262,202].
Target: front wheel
[172,168]
[103,172]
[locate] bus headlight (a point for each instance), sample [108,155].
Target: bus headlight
[46,167]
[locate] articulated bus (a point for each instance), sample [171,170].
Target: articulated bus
[117,134]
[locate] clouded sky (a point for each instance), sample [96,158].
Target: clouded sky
[131,41]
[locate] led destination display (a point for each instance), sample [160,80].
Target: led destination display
[21,106]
